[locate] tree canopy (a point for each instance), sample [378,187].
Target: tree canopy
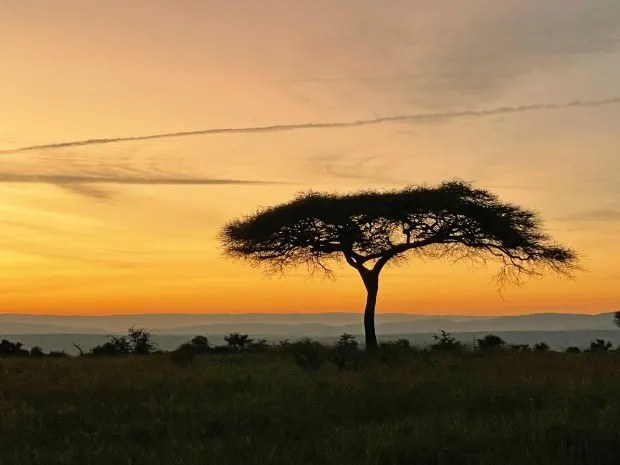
[370,228]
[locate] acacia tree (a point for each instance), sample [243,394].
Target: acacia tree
[370,229]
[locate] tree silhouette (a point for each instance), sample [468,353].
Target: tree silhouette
[238,342]
[491,342]
[370,229]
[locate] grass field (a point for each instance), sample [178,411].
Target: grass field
[431,408]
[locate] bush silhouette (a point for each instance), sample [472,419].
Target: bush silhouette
[306,352]
[184,355]
[391,352]
[521,348]
[258,346]
[445,342]
[600,345]
[491,342]
[238,342]
[140,341]
[345,354]
[573,350]
[12,349]
[200,344]
[541,347]
[36,351]
[58,353]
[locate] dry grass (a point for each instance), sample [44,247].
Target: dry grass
[505,408]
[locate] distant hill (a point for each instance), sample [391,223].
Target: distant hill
[297,325]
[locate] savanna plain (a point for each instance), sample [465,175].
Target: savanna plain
[307,404]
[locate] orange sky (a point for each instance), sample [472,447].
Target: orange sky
[75,70]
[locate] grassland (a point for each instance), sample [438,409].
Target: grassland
[430,408]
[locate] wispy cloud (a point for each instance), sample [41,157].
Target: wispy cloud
[420,117]
[598,215]
[76,181]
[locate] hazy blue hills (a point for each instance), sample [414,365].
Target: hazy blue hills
[292,325]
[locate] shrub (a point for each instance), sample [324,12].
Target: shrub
[521,348]
[12,349]
[346,352]
[573,350]
[140,341]
[184,355]
[600,345]
[392,351]
[238,342]
[306,352]
[58,353]
[491,342]
[541,347]
[200,344]
[36,351]
[258,345]
[445,342]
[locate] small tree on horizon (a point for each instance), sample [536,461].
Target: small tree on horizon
[370,229]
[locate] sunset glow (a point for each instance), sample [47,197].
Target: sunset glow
[131,226]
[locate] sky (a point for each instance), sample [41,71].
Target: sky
[129,226]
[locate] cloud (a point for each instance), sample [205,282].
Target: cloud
[76,181]
[416,117]
[84,185]
[514,37]
[598,215]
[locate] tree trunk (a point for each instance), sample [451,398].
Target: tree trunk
[371,281]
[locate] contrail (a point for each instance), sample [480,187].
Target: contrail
[70,180]
[327,125]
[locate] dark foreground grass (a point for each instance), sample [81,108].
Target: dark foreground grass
[502,409]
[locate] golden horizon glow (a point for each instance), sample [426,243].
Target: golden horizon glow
[88,70]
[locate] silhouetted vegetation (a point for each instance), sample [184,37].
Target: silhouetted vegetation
[12,349]
[370,229]
[600,345]
[491,342]
[305,402]
[238,342]
[520,348]
[446,342]
[136,342]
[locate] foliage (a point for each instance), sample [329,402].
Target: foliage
[238,342]
[200,344]
[541,347]
[521,348]
[140,341]
[58,353]
[136,342]
[490,342]
[445,342]
[346,352]
[12,349]
[184,355]
[392,352]
[308,354]
[600,345]
[573,350]
[36,351]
